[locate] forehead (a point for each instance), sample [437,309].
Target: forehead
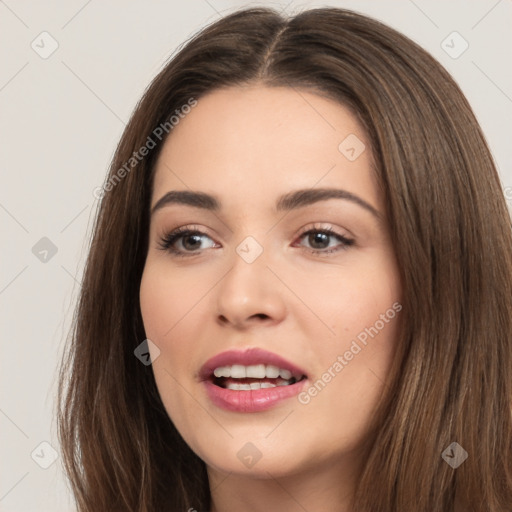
[258,140]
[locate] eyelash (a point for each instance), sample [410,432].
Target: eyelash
[167,241]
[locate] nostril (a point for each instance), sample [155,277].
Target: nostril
[223,319]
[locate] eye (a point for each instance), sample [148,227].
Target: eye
[323,240]
[185,242]
[188,241]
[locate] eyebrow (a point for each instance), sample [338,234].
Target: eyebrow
[290,201]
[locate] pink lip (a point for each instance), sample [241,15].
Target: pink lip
[254,400]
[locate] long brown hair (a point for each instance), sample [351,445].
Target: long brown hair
[451,380]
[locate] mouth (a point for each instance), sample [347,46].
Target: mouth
[238,377]
[251,380]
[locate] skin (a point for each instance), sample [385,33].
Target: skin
[248,146]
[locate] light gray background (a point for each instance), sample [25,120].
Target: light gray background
[60,120]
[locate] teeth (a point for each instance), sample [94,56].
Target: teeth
[256,371]
[238,371]
[285,374]
[272,372]
[222,371]
[247,387]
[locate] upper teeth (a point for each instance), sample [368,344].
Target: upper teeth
[255,371]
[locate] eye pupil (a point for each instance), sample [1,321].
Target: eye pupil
[319,240]
[195,244]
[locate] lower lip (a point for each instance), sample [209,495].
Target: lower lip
[253,400]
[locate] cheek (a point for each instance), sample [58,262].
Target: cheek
[362,307]
[344,394]
[339,302]
[166,298]
[152,298]
[165,307]
[174,311]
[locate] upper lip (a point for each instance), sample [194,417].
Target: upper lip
[247,357]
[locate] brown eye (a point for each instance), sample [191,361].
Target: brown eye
[318,240]
[323,241]
[191,242]
[184,242]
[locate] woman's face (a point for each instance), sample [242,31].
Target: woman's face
[288,280]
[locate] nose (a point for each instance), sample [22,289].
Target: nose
[250,295]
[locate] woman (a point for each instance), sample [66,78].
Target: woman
[304,232]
